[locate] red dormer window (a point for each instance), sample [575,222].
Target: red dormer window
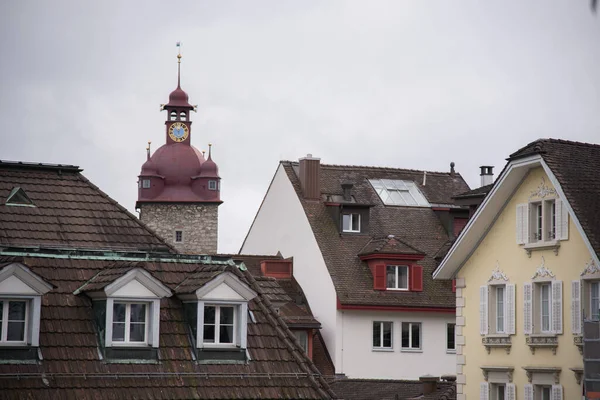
[396,272]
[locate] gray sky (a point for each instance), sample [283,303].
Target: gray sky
[411,84]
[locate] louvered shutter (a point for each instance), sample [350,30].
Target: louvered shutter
[562,220]
[527,308]
[484,391]
[557,392]
[557,320]
[379,279]
[522,223]
[483,310]
[416,278]
[511,391]
[576,307]
[528,391]
[509,309]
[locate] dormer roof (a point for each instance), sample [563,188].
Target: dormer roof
[391,246]
[16,278]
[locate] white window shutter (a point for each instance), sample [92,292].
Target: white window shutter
[576,307]
[528,391]
[522,223]
[484,391]
[562,220]
[509,312]
[511,391]
[557,320]
[483,310]
[527,308]
[557,392]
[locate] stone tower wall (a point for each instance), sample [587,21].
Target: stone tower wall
[198,222]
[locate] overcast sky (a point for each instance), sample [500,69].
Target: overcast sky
[410,84]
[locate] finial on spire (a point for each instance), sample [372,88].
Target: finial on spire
[209,150]
[179,65]
[148,150]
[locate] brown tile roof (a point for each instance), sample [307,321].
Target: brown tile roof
[383,389]
[69,212]
[417,227]
[478,192]
[72,367]
[577,168]
[390,245]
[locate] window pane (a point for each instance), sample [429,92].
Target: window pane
[226,315]
[595,306]
[450,337]
[226,334]
[376,334]
[16,331]
[501,392]
[416,336]
[403,277]
[405,335]
[408,199]
[303,339]
[500,309]
[387,334]
[118,312]
[346,222]
[1,311]
[396,197]
[545,307]
[137,332]
[209,314]
[138,313]
[356,222]
[118,332]
[209,333]
[16,310]
[391,277]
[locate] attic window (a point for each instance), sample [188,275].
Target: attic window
[399,193]
[18,197]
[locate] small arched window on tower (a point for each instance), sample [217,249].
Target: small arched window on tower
[182,116]
[212,185]
[173,116]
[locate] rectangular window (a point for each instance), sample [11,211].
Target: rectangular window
[545,305]
[398,192]
[129,323]
[146,183]
[382,335]
[542,221]
[178,236]
[219,324]
[212,185]
[551,205]
[302,337]
[13,320]
[450,337]
[500,309]
[397,277]
[595,300]
[351,222]
[411,335]
[543,392]
[500,392]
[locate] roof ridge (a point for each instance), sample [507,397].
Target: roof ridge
[342,166]
[34,165]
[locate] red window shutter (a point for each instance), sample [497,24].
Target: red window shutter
[379,277]
[416,278]
[454,285]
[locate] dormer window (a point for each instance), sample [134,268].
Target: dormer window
[212,185]
[219,324]
[146,183]
[129,323]
[351,222]
[397,277]
[18,197]
[173,116]
[13,321]
[182,116]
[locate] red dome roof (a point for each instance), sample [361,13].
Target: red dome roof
[178,98]
[177,163]
[148,168]
[209,169]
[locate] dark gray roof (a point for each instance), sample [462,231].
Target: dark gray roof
[387,389]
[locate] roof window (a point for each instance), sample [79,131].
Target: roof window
[399,193]
[18,197]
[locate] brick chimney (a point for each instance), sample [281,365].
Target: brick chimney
[487,175]
[310,177]
[429,384]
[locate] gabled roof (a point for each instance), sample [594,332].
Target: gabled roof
[388,245]
[574,170]
[477,192]
[416,227]
[72,366]
[69,212]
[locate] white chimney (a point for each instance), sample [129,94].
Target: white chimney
[487,175]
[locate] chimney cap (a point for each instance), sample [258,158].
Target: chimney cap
[309,156]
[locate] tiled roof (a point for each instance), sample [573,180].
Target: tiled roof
[389,244]
[383,389]
[69,212]
[417,227]
[577,168]
[478,192]
[72,366]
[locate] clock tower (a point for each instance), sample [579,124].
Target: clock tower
[178,189]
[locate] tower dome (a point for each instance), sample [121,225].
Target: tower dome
[209,169]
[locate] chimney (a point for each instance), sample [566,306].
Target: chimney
[487,175]
[347,188]
[310,177]
[429,384]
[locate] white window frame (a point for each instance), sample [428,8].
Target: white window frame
[397,268]
[240,326]
[126,342]
[500,307]
[4,322]
[496,388]
[410,336]
[535,230]
[146,183]
[212,185]
[541,287]
[217,325]
[381,346]
[351,216]
[532,309]
[448,349]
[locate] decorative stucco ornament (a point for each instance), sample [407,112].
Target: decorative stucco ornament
[542,271]
[542,190]
[591,268]
[498,275]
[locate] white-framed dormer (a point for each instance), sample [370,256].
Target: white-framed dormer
[218,313]
[497,311]
[21,293]
[130,309]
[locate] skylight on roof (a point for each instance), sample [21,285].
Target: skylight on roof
[399,193]
[18,197]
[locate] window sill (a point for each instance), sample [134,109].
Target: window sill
[543,245]
[384,350]
[450,351]
[538,341]
[497,340]
[129,345]
[411,350]
[396,290]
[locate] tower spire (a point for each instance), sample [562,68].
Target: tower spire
[179,65]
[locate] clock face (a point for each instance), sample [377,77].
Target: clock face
[178,131]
